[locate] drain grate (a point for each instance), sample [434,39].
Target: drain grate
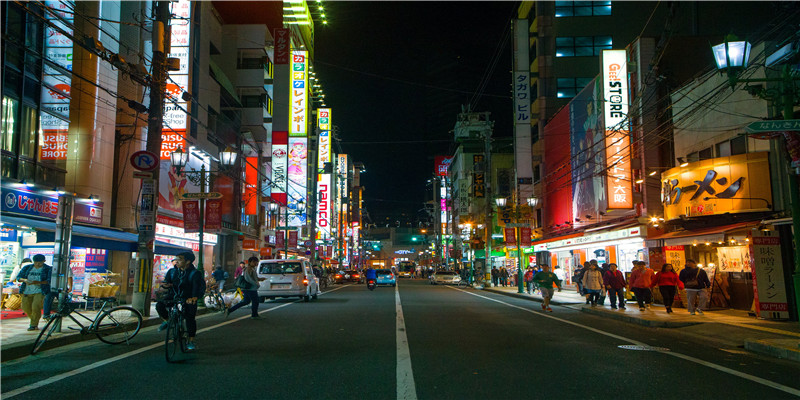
[641,348]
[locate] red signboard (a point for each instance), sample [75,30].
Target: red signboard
[249,244]
[223,184]
[171,140]
[442,163]
[279,239]
[511,236]
[163,219]
[191,216]
[281,46]
[213,215]
[54,144]
[525,236]
[265,252]
[292,239]
[251,186]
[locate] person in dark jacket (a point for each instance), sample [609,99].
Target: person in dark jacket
[251,293]
[189,285]
[495,277]
[35,286]
[615,284]
[220,276]
[695,280]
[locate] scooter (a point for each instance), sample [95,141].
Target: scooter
[371,283]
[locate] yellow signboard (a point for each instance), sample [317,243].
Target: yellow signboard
[734,184]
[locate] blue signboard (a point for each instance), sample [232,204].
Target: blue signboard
[8,235]
[28,202]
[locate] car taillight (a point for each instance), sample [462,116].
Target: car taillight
[356,275]
[305,282]
[338,276]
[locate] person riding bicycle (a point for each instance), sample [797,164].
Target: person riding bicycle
[190,285]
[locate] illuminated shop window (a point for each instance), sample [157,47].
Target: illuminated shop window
[582,46]
[582,8]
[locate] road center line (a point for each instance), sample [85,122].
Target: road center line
[765,382]
[98,364]
[406,389]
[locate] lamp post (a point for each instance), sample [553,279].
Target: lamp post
[732,57]
[179,159]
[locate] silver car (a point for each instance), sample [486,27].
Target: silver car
[287,278]
[446,278]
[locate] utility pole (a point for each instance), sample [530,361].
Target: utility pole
[487,162]
[155,119]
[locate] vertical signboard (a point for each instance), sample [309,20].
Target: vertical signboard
[510,236]
[213,217]
[522,110]
[297,173]
[280,239]
[250,198]
[442,163]
[767,268]
[616,100]
[478,182]
[191,216]
[56,81]
[324,189]
[292,239]
[281,46]
[280,142]
[299,100]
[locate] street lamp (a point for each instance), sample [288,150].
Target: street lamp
[179,159]
[732,57]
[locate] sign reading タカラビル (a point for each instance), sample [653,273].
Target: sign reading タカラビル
[732,184]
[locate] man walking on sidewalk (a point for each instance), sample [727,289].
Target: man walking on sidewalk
[545,280]
[695,281]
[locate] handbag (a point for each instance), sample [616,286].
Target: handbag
[241,283]
[693,283]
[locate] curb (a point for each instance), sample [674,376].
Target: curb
[639,321]
[529,297]
[23,348]
[787,349]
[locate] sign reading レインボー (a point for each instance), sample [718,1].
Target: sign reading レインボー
[298,109]
[619,184]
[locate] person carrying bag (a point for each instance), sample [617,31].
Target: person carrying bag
[249,283]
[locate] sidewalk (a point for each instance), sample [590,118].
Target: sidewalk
[772,338]
[16,341]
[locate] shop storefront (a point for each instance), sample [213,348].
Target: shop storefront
[621,246]
[170,230]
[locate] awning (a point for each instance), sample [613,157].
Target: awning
[713,234]
[92,237]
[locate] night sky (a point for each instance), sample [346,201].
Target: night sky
[396,75]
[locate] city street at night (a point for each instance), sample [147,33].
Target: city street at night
[463,344]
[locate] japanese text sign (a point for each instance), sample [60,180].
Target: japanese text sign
[616,99]
[767,268]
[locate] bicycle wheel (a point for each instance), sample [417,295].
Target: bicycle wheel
[118,325]
[48,330]
[172,341]
[182,334]
[212,302]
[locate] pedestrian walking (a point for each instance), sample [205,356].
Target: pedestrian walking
[577,277]
[35,279]
[559,272]
[668,284]
[249,285]
[504,277]
[220,276]
[695,280]
[495,277]
[529,279]
[592,284]
[545,280]
[615,284]
[640,280]
[239,270]
[602,299]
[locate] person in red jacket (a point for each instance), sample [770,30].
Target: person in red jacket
[614,282]
[668,283]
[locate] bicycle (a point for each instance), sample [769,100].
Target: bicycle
[213,299]
[477,281]
[176,329]
[113,325]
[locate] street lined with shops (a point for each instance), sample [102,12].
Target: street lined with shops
[463,343]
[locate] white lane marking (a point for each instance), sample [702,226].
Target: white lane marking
[68,374]
[765,382]
[406,388]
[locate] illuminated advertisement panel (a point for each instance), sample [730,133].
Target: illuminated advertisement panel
[297,158]
[299,107]
[324,189]
[280,141]
[616,99]
[56,81]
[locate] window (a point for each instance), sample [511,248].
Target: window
[252,101]
[27,137]
[536,173]
[9,123]
[582,8]
[705,154]
[569,87]
[251,63]
[582,46]
[739,145]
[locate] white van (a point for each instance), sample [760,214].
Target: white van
[287,278]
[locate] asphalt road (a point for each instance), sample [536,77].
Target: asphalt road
[349,344]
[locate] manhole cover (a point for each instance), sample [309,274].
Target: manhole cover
[641,348]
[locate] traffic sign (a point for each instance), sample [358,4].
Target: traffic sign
[210,195]
[773,126]
[144,160]
[142,175]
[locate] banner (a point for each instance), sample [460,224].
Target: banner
[279,239]
[767,268]
[251,186]
[293,239]
[213,222]
[191,216]
[525,236]
[676,256]
[511,236]
[280,142]
[733,259]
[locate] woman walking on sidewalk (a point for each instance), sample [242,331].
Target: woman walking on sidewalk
[640,280]
[545,280]
[592,284]
[668,284]
[615,284]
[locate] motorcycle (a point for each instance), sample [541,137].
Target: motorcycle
[371,284]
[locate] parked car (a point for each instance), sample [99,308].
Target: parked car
[386,277]
[287,278]
[446,277]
